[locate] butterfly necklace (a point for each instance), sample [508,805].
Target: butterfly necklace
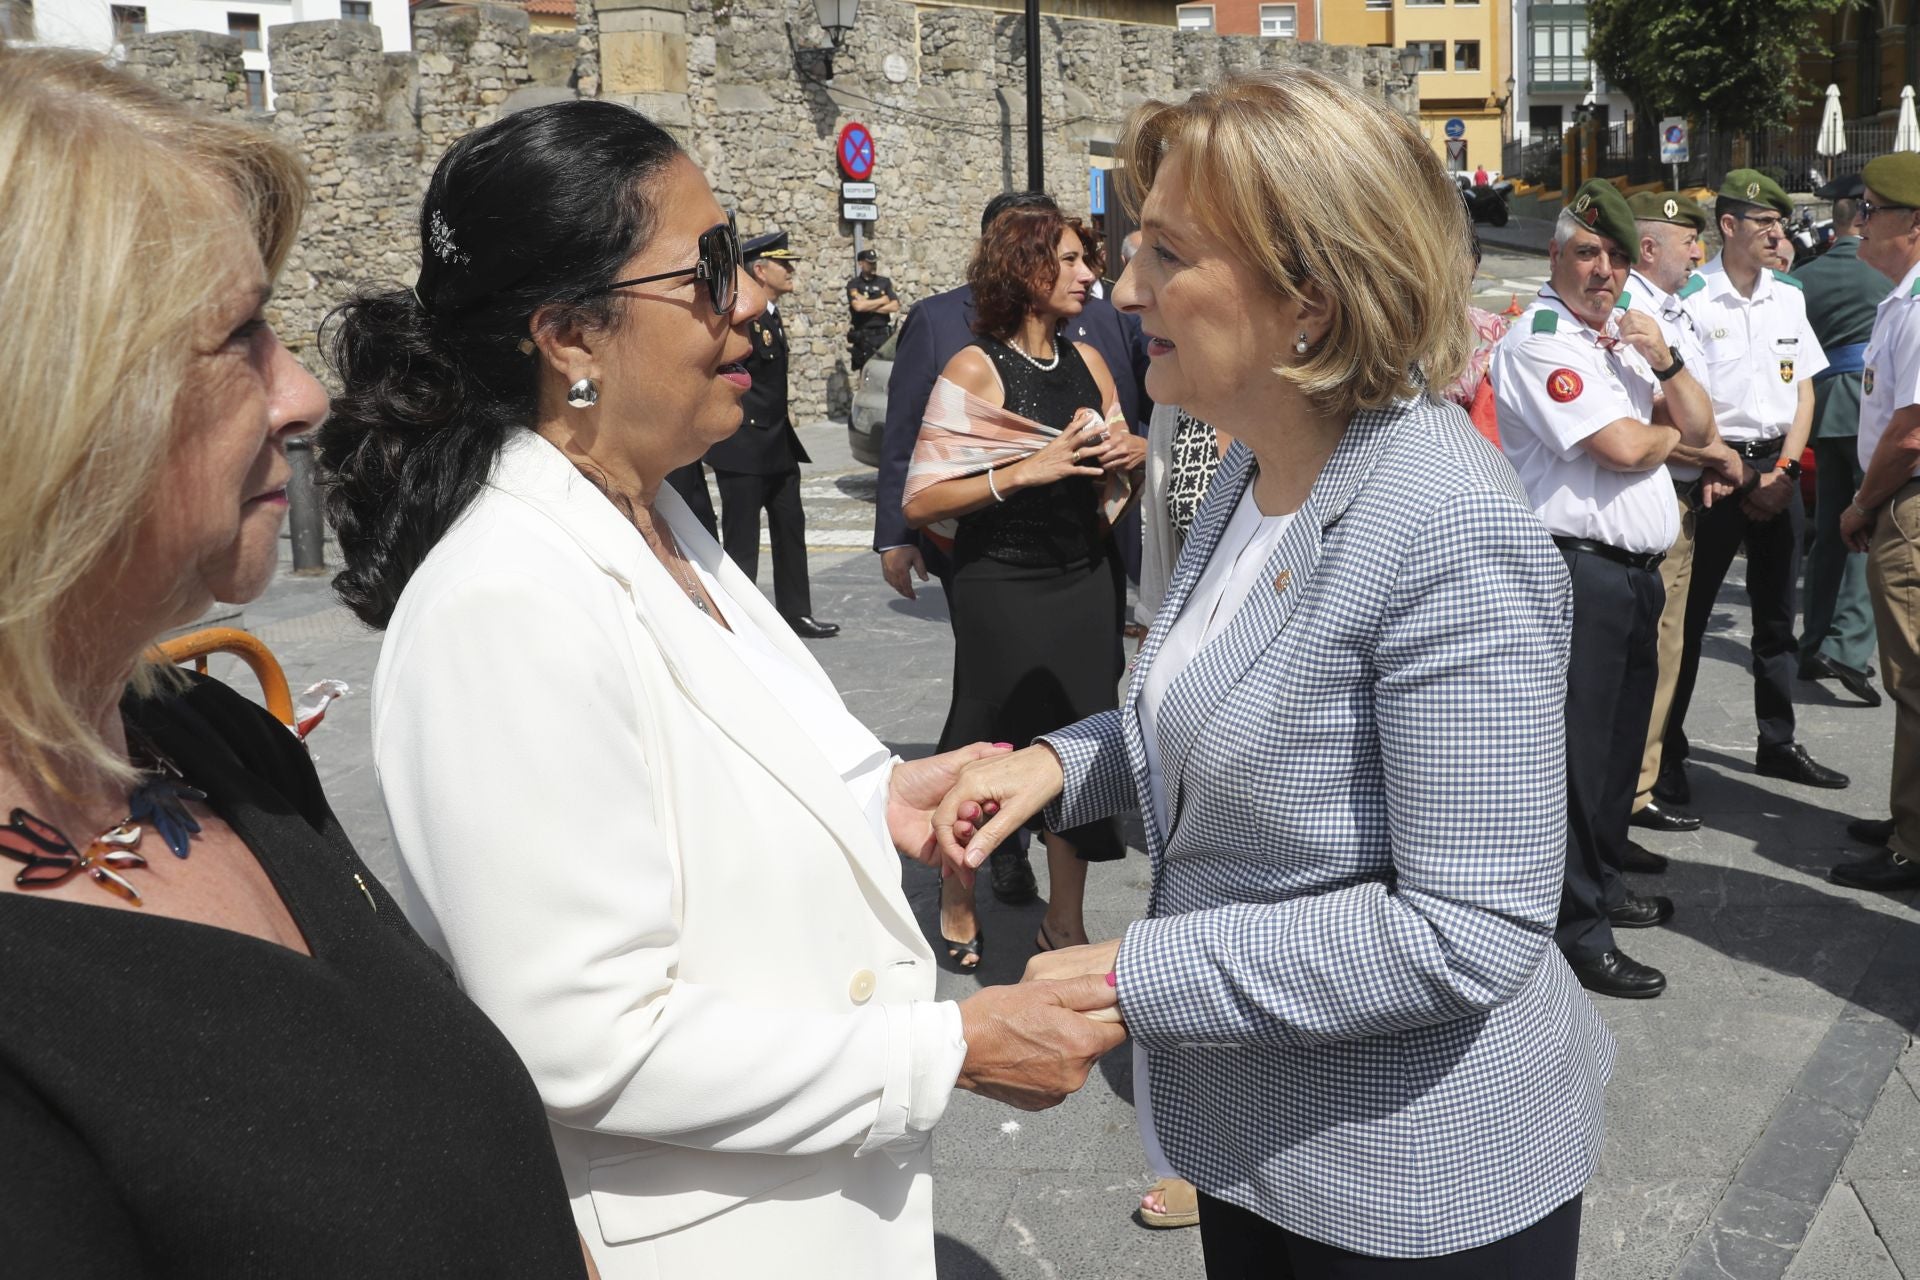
[158,801]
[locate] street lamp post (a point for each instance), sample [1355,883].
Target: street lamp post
[837,17]
[1036,160]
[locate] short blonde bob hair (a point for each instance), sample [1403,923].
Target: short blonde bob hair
[118,212]
[1306,180]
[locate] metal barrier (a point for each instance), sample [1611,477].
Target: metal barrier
[197,646]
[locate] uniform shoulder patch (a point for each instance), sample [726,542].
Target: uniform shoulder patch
[1915,291]
[1546,320]
[1695,283]
[1625,303]
[1784,278]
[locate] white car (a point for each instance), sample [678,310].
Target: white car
[867,417]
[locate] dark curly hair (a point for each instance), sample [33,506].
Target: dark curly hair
[1017,261]
[538,209]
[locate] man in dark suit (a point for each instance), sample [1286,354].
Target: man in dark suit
[758,466]
[935,331]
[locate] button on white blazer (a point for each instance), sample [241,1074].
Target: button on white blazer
[653,880]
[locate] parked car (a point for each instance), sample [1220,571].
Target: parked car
[868,416]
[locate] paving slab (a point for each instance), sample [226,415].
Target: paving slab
[1842,1244]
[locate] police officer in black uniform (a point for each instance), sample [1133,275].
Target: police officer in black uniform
[758,467]
[872,304]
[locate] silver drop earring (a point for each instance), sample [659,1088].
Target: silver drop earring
[583,394]
[1300,345]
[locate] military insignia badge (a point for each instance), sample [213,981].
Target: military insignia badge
[1786,371]
[1670,208]
[1866,381]
[1753,190]
[1564,385]
[1580,205]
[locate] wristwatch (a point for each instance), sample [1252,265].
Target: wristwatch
[1678,364]
[1789,465]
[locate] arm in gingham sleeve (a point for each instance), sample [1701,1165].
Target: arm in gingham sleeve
[1468,697]
[1093,759]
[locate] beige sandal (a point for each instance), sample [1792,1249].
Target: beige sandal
[1179,1200]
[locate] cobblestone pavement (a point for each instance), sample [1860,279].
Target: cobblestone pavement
[1762,1119]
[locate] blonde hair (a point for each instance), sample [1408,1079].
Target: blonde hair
[1307,180]
[118,208]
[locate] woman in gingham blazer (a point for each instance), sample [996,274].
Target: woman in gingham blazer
[1343,732]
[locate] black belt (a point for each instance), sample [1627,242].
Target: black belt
[1757,448]
[1607,551]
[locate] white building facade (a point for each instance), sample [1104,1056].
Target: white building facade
[103,24]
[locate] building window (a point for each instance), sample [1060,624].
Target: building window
[1559,54]
[1424,4]
[256,90]
[1279,21]
[247,27]
[1466,55]
[1433,54]
[1195,17]
[1380,4]
[128,20]
[356,10]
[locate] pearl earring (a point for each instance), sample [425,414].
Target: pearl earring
[583,394]
[1300,346]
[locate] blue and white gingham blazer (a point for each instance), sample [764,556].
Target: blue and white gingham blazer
[1356,1021]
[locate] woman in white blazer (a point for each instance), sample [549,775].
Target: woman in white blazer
[630,808]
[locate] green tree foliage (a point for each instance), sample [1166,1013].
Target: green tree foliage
[1737,61]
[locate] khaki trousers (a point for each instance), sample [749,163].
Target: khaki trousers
[1676,572]
[1893,575]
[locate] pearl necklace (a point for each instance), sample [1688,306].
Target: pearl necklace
[1049,366]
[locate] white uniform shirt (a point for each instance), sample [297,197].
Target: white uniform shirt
[1555,383]
[1891,379]
[1759,351]
[1669,311]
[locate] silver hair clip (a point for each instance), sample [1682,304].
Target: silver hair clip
[440,240]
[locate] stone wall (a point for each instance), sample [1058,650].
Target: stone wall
[941,89]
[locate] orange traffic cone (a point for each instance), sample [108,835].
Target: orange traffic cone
[1513,307]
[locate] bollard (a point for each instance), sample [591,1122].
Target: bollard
[304,517]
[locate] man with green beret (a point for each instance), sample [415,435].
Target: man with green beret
[1883,519]
[1836,634]
[1761,357]
[1669,226]
[1591,399]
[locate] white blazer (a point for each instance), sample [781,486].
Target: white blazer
[647,873]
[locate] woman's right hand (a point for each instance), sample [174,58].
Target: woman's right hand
[1074,452]
[994,797]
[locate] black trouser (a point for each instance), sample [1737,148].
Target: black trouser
[690,482]
[1612,668]
[1838,617]
[1239,1245]
[863,342]
[1773,570]
[742,497]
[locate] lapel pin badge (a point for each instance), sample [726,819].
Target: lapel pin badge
[1280,582]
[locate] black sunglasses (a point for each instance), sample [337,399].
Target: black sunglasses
[719,266]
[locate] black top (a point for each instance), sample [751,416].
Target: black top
[766,443]
[869,287]
[1049,524]
[178,1099]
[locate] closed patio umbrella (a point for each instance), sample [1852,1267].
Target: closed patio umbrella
[1833,129]
[1907,136]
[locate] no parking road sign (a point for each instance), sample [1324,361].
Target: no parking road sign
[856,152]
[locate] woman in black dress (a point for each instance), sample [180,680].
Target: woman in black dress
[226,1054]
[1036,591]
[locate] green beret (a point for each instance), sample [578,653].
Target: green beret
[1669,206]
[1895,178]
[1755,187]
[1599,206]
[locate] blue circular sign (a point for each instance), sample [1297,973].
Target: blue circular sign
[1456,128]
[856,152]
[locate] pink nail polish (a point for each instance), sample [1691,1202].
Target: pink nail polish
[1113,978]
[1007,745]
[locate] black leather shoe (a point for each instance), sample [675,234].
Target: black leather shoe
[1641,913]
[1657,817]
[1871,830]
[1616,974]
[1791,761]
[1885,870]
[1642,859]
[1011,875]
[1857,683]
[1671,786]
[810,629]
